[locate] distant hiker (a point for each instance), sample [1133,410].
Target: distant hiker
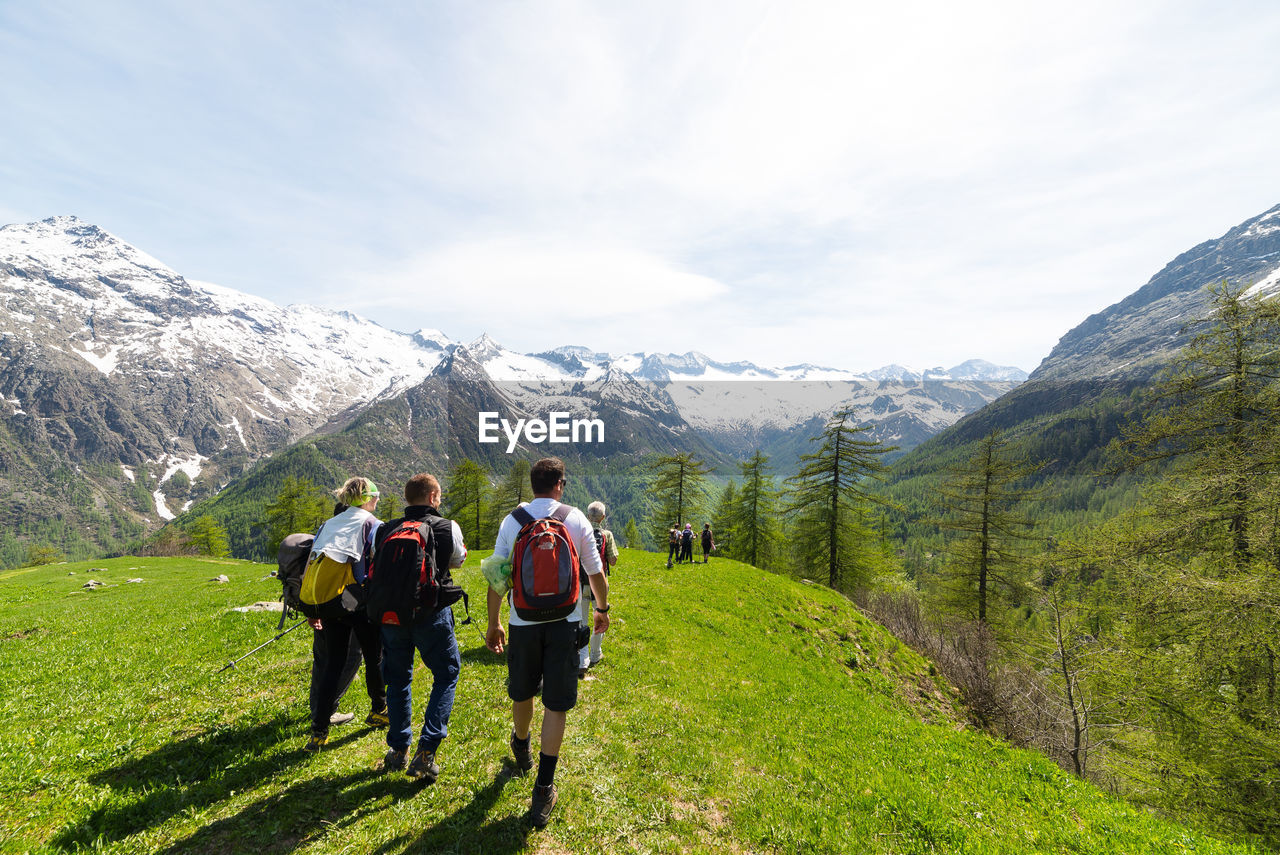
[673,545]
[708,543]
[411,595]
[332,600]
[686,543]
[590,654]
[548,543]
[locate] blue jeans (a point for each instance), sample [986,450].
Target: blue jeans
[434,640]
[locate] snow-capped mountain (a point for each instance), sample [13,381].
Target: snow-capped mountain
[81,291]
[581,363]
[128,387]
[108,354]
[740,406]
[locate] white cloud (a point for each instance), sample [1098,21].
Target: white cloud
[571,280]
[827,179]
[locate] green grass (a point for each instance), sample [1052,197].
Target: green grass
[735,711]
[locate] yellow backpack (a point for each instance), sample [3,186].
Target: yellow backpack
[329,588]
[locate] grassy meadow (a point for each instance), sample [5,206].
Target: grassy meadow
[735,711]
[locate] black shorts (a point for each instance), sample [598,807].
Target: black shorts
[544,657]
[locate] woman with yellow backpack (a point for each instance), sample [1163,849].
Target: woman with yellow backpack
[332,599]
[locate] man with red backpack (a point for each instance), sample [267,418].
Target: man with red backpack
[549,544]
[410,595]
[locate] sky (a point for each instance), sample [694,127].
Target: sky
[848,184]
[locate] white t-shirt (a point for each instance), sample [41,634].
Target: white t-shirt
[579,529]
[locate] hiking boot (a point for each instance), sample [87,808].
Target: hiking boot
[340,718]
[377,718]
[316,742]
[424,766]
[582,673]
[544,799]
[395,761]
[524,759]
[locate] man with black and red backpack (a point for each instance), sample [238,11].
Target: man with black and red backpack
[410,594]
[548,543]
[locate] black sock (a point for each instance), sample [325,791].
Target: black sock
[546,770]
[520,743]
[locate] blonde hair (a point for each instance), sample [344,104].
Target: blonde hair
[356,492]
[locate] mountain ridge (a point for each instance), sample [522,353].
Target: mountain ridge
[118,370]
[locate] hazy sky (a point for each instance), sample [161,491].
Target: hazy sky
[844,183]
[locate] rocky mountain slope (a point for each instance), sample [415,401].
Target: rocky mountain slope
[1093,382]
[110,358]
[1137,335]
[127,392]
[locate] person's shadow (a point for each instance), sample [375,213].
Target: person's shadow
[466,830]
[192,773]
[320,805]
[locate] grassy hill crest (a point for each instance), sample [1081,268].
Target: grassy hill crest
[735,711]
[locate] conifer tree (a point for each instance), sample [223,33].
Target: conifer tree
[388,507]
[1215,415]
[39,554]
[207,536]
[678,488]
[510,492]
[1202,586]
[828,497]
[465,499]
[756,527]
[723,522]
[988,554]
[631,535]
[299,506]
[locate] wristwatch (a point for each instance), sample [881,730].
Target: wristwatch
[603,611]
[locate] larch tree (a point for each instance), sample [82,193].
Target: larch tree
[987,553]
[829,498]
[678,486]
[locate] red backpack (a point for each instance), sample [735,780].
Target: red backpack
[404,582]
[544,567]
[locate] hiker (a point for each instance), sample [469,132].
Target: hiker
[542,652]
[429,629]
[686,543]
[708,542]
[589,655]
[341,551]
[673,545]
[291,560]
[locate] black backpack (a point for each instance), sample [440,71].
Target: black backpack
[404,583]
[291,563]
[602,549]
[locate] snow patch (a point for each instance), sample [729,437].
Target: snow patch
[1265,287]
[128,473]
[105,363]
[191,464]
[162,510]
[235,425]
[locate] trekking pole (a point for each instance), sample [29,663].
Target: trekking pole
[279,636]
